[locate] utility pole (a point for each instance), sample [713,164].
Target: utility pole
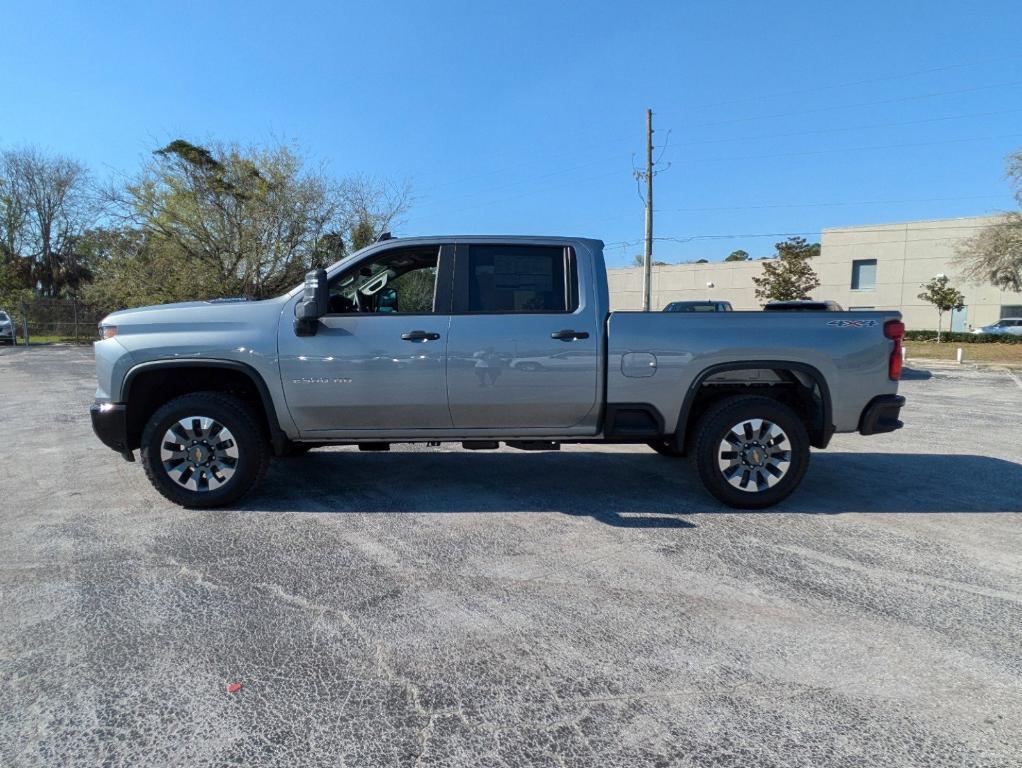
[647,251]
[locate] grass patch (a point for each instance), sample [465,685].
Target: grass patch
[41,339]
[1009,354]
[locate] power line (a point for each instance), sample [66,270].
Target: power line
[853,83]
[846,129]
[856,230]
[870,148]
[817,110]
[849,203]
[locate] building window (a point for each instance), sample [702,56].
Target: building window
[864,274]
[1011,310]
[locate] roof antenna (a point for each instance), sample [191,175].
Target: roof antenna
[384,236]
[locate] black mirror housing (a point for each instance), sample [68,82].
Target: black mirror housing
[315,303]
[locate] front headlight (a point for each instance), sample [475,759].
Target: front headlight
[107,331]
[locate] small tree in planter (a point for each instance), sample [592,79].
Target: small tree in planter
[944,296]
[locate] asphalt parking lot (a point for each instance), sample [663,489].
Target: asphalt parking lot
[585,608]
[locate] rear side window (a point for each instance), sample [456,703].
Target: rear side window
[518,278]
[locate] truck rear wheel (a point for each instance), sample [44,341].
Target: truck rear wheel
[204,450]
[751,452]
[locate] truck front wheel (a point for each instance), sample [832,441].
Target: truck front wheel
[751,452]
[204,449]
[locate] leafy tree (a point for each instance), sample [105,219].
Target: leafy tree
[789,276]
[994,254]
[136,268]
[362,234]
[945,297]
[246,221]
[738,256]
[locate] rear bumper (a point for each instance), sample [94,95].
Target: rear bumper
[110,423]
[881,415]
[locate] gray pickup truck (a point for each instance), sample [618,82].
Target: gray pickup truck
[482,340]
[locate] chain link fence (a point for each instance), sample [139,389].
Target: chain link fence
[49,321]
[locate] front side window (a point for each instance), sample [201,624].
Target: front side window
[864,274]
[512,278]
[396,282]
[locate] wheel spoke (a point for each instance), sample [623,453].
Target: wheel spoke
[199,453]
[754,455]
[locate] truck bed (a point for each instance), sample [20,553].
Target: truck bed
[657,357]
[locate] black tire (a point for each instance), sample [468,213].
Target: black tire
[665,448]
[715,427]
[248,442]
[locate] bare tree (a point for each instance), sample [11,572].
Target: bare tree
[371,207]
[47,203]
[994,254]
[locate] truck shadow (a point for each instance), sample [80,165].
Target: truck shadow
[628,489]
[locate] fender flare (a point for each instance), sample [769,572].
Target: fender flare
[822,436]
[277,436]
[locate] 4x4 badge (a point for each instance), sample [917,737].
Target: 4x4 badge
[852,323]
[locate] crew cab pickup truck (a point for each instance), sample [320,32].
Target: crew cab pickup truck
[482,340]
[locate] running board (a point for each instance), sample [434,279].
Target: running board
[534,445]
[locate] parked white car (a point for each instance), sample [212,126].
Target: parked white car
[1012,325]
[6,328]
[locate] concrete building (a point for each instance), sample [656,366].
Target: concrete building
[880,266]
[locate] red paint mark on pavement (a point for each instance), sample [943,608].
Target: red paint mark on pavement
[233,687]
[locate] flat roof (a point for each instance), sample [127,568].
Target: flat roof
[950,223]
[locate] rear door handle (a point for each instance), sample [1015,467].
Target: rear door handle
[569,335]
[420,336]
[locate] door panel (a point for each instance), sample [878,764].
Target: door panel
[357,373]
[505,371]
[958,319]
[378,362]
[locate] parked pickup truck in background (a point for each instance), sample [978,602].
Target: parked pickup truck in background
[482,340]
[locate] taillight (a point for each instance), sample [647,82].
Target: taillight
[895,330]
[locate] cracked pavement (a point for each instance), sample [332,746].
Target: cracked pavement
[436,607]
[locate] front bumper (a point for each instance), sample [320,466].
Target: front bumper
[881,415]
[110,423]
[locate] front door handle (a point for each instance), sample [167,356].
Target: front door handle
[568,335]
[420,336]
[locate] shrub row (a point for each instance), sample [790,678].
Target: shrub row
[972,338]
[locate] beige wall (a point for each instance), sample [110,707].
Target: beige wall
[907,255]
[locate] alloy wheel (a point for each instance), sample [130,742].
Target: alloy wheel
[199,453]
[754,455]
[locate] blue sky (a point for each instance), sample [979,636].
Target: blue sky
[524,117]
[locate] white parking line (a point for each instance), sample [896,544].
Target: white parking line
[1014,377]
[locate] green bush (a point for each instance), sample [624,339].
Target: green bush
[972,338]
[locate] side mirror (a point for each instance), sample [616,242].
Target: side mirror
[314,303]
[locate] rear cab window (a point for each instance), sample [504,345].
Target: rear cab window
[516,279]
